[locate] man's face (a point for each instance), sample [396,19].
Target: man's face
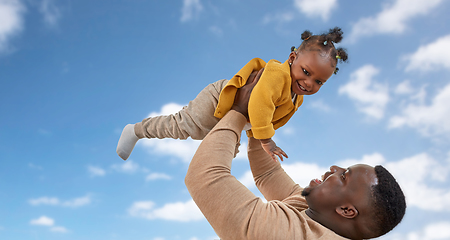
[341,186]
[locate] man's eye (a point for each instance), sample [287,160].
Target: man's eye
[319,82]
[306,72]
[343,175]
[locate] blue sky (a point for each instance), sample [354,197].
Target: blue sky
[74,73]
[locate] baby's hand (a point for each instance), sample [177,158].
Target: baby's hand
[271,148]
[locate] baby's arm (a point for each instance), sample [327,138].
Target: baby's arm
[272,149]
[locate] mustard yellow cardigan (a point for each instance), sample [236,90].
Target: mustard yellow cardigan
[270,105]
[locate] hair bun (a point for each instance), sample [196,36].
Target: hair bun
[306,34]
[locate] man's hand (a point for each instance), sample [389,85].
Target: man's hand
[243,94]
[272,149]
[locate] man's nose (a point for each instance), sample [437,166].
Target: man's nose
[335,168]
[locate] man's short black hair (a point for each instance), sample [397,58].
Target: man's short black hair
[389,203]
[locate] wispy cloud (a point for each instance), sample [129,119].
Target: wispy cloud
[316,8]
[157,176]
[430,120]
[54,201]
[319,105]
[427,172]
[281,17]
[216,31]
[433,56]
[179,211]
[96,171]
[404,88]
[190,10]
[126,167]
[31,165]
[50,12]
[48,222]
[432,231]
[393,18]
[369,96]
[43,221]
[11,21]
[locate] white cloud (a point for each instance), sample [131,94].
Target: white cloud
[316,8]
[59,229]
[126,167]
[432,231]
[96,171]
[179,211]
[393,18]
[44,201]
[11,21]
[433,56]
[167,109]
[404,88]
[49,222]
[369,159]
[429,120]
[216,31]
[50,12]
[281,17]
[31,165]
[181,149]
[191,9]
[370,96]
[76,202]
[156,176]
[43,221]
[419,176]
[319,105]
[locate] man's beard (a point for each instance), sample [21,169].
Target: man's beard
[305,192]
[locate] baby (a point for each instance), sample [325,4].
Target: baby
[273,101]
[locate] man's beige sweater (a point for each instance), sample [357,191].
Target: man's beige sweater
[234,211]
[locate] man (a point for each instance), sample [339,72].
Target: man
[359,202]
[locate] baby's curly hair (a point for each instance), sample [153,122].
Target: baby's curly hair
[325,44]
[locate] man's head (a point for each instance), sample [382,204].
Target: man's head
[359,202]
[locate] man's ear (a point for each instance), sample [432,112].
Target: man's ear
[347,211]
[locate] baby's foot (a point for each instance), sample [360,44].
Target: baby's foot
[126,142]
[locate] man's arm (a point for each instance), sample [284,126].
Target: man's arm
[223,200]
[270,178]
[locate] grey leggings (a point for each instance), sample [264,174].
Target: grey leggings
[195,120]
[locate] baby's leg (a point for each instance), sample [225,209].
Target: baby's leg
[194,120]
[126,142]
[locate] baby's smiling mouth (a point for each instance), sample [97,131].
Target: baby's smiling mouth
[301,87]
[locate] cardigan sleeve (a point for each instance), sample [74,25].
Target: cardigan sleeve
[272,89]
[226,97]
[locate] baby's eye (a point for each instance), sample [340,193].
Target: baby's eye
[319,82]
[306,72]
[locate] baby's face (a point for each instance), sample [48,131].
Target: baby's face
[309,71]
